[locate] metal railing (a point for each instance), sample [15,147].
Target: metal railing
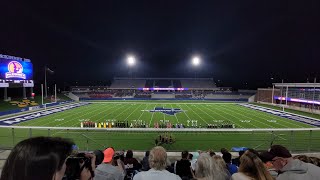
[296,140]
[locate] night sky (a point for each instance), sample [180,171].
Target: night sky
[239,41]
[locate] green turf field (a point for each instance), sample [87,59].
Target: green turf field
[204,113]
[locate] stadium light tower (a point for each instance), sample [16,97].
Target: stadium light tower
[131,60]
[196,60]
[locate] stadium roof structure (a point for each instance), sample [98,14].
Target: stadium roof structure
[297,85]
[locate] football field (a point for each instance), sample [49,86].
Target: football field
[198,114]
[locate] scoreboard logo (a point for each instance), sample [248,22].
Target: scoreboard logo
[15,70]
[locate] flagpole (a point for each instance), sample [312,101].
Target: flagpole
[45,81]
[55,93]
[42,93]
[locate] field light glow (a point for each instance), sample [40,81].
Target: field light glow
[196,61]
[131,60]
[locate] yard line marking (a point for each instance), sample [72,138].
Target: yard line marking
[152,116]
[184,112]
[132,112]
[197,114]
[143,112]
[175,115]
[224,116]
[262,116]
[84,114]
[223,110]
[247,117]
[284,120]
[52,116]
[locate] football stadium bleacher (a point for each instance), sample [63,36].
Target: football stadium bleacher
[161,88]
[202,83]
[127,83]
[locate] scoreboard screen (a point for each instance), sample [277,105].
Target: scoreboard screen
[14,68]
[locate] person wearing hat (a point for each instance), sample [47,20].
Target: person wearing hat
[106,170]
[290,168]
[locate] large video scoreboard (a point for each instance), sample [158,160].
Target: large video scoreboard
[15,70]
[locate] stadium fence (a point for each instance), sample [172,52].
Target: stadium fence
[297,140]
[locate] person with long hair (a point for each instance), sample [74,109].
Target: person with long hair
[206,169]
[251,168]
[38,158]
[221,164]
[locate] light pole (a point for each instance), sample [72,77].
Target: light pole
[131,61]
[196,61]
[45,80]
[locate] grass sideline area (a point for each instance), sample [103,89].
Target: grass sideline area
[204,113]
[6,105]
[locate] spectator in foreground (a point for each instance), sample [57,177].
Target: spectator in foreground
[251,167]
[107,170]
[190,157]
[158,164]
[303,158]
[183,166]
[224,150]
[145,162]
[195,156]
[290,168]
[206,169]
[131,165]
[38,158]
[315,161]
[236,161]
[222,166]
[231,167]
[130,162]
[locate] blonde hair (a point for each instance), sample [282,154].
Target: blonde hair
[206,168]
[251,165]
[221,164]
[158,158]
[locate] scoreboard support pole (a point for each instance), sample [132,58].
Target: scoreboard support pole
[5,95]
[31,91]
[24,94]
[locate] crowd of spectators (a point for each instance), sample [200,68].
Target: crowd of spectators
[143,94]
[100,95]
[123,93]
[183,96]
[54,158]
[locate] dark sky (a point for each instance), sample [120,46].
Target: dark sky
[239,41]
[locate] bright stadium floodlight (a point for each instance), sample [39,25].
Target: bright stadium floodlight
[196,60]
[131,60]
